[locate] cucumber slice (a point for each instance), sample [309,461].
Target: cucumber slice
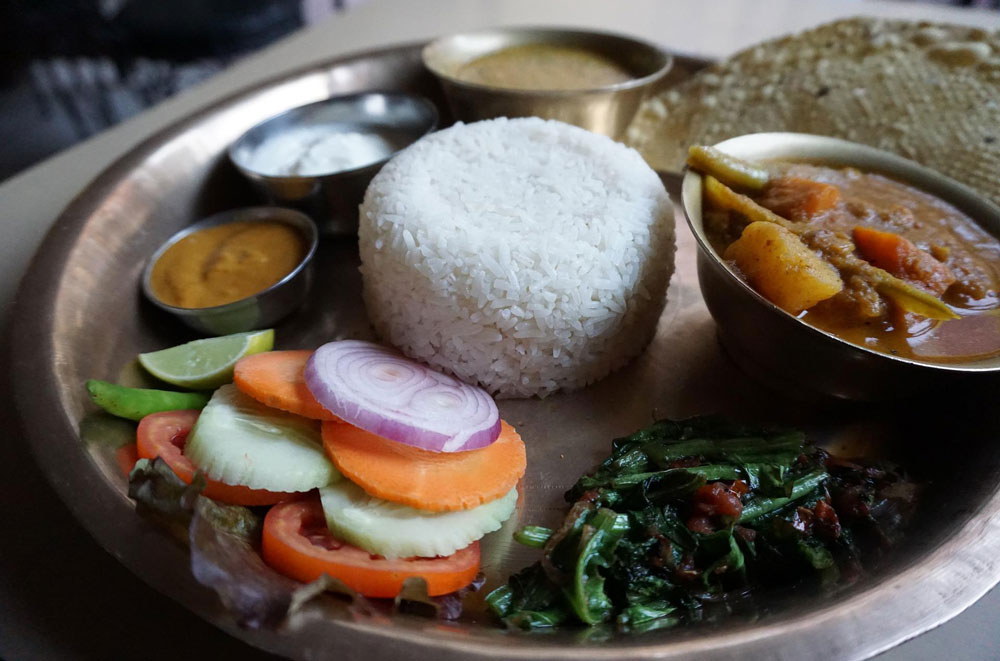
[393,530]
[240,441]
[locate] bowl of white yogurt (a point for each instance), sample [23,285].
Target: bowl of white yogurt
[320,157]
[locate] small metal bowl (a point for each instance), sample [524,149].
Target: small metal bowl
[332,198]
[260,310]
[607,109]
[779,348]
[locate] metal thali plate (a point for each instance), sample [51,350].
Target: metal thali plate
[80,315]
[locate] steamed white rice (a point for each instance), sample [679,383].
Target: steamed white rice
[523,254]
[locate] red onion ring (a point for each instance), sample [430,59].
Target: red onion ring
[382,392]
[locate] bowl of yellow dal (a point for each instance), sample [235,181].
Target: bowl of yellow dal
[594,80]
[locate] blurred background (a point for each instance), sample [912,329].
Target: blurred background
[71,68]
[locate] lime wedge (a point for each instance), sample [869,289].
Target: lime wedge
[208,363]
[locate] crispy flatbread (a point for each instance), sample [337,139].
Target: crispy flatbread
[925,91]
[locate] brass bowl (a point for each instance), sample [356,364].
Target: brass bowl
[260,310]
[779,348]
[607,110]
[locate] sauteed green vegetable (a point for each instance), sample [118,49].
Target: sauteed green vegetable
[685,514]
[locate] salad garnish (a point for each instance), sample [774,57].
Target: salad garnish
[250,483]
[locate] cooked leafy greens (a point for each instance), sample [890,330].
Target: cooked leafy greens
[688,514]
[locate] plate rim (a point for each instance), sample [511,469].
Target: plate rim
[31,334]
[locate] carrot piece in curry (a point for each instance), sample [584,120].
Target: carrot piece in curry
[799,199]
[900,257]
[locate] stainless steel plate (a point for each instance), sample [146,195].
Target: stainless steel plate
[80,315]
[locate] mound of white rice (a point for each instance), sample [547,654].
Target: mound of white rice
[523,254]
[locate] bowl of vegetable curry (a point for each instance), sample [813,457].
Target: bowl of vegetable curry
[844,269]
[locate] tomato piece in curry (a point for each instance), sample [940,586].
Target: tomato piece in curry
[855,221]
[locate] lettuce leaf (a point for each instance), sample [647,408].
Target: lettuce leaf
[224,542]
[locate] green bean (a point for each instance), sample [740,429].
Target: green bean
[909,297]
[137,403]
[725,197]
[728,169]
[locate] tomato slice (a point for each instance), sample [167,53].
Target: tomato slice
[297,543]
[126,456]
[164,435]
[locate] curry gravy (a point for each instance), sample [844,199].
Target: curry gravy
[859,314]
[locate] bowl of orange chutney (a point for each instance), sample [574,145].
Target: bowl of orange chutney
[236,271]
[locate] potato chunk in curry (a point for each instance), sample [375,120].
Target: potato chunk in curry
[783,269]
[915,276]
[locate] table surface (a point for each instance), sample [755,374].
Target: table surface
[61,595]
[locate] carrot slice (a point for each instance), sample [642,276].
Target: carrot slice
[434,481]
[900,257]
[275,378]
[799,199]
